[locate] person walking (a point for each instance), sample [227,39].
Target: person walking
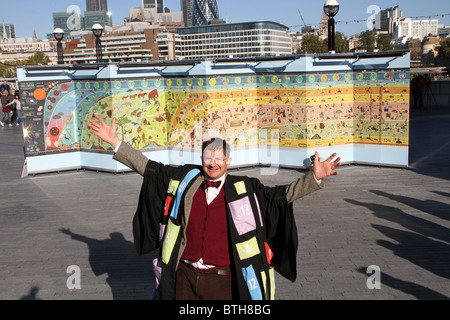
[17,107]
[6,110]
[4,86]
[219,236]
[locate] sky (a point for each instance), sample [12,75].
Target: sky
[31,14]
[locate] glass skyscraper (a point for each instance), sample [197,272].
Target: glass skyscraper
[186,7]
[204,12]
[96,5]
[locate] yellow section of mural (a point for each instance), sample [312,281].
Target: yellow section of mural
[323,111]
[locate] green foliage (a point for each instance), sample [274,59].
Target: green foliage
[341,43]
[444,53]
[367,40]
[312,44]
[428,59]
[37,58]
[8,70]
[384,42]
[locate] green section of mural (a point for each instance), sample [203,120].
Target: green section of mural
[301,111]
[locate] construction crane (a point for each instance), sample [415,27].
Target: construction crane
[306,27]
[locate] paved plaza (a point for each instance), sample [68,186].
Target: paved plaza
[397,219]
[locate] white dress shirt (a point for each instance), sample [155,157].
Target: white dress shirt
[211,192]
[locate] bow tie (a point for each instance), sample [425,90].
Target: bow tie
[214,184]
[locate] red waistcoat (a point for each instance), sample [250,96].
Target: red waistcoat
[207,231]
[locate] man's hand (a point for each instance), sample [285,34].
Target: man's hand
[105,132]
[326,168]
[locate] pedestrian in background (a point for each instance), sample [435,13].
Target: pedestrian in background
[17,118]
[4,86]
[6,110]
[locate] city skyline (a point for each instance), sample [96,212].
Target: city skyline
[38,15]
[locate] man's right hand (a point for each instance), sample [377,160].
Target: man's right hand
[105,132]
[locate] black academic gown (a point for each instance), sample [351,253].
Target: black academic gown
[261,227]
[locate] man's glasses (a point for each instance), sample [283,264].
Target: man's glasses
[209,160]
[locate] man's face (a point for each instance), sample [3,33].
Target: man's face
[215,163]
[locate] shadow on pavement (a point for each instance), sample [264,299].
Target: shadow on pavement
[418,291]
[130,276]
[425,244]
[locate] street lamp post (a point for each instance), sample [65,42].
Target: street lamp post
[58,33]
[97,30]
[331,8]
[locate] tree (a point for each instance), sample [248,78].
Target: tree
[37,58]
[312,44]
[428,59]
[384,42]
[444,48]
[341,43]
[7,70]
[367,40]
[444,53]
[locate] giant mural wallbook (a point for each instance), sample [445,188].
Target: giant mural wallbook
[308,110]
[301,109]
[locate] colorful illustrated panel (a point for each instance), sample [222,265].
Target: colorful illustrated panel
[242,214]
[306,110]
[32,97]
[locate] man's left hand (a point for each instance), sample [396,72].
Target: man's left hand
[326,168]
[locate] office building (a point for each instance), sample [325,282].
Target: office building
[96,5]
[401,29]
[297,40]
[443,31]
[415,29]
[234,40]
[26,44]
[14,49]
[309,29]
[71,22]
[204,12]
[385,19]
[135,42]
[186,8]
[103,18]
[158,4]
[68,21]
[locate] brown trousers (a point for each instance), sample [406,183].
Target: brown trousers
[194,285]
